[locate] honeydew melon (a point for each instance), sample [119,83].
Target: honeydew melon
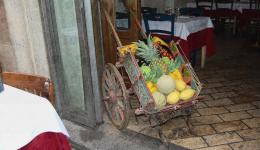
[165,84]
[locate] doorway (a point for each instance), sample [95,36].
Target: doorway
[72,57]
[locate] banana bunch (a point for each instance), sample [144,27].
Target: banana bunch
[127,48]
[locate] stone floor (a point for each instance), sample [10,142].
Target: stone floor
[229,115]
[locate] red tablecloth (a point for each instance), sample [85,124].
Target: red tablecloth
[221,13]
[247,16]
[196,41]
[49,141]
[243,18]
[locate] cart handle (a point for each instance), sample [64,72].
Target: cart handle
[137,22]
[118,41]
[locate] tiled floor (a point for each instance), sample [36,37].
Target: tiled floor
[229,115]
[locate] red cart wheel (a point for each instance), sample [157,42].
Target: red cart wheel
[115,97]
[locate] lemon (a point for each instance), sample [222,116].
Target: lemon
[180,85]
[187,94]
[173,97]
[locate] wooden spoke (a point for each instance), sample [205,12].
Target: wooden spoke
[115,97]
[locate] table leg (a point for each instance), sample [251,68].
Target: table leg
[203,56]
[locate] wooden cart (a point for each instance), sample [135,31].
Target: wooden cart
[116,95]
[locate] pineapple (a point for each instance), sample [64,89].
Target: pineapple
[147,52]
[159,63]
[150,54]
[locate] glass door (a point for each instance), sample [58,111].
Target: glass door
[67,29]
[73,62]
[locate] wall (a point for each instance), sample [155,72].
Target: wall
[6,48]
[161,5]
[22,47]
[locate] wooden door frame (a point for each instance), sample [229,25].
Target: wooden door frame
[88,48]
[109,42]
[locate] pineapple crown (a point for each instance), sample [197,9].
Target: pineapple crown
[147,51]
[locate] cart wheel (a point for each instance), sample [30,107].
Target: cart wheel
[115,97]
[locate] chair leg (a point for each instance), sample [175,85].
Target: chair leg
[203,56]
[234,25]
[193,58]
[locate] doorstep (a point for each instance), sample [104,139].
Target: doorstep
[107,137]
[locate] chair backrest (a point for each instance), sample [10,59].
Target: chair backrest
[188,11]
[205,4]
[122,17]
[32,83]
[159,18]
[149,10]
[254,4]
[226,2]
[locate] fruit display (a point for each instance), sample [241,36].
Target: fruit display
[165,84]
[127,48]
[166,76]
[159,99]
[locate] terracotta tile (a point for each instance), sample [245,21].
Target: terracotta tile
[209,91]
[222,138]
[212,110]
[223,95]
[203,130]
[206,97]
[247,145]
[240,107]
[252,123]
[235,116]
[221,147]
[254,113]
[174,123]
[201,105]
[213,85]
[250,134]
[202,120]
[224,89]
[219,102]
[213,80]
[257,104]
[243,99]
[229,126]
[191,143]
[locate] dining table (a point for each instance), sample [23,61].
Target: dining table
[241,10]
[237,5]
[192,33]
[30,122]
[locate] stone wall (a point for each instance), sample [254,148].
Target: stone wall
[22,47]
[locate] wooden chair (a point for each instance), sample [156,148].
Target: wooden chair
[188,11]
[32,83]
[148,10]
[226,15]
[205,4]
[159,31]
[253,20]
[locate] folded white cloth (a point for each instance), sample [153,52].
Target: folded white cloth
[23,116]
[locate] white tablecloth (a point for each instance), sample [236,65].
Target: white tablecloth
[183,26]
[24,116]
[236,6]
